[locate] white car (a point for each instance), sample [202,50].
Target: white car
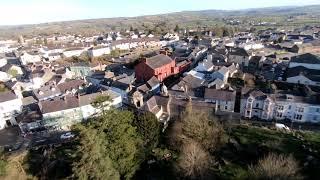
[67,135]
[282,127]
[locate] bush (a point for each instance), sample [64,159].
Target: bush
[275,166]
[194,161]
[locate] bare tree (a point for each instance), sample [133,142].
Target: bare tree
[276,167]
[194,161]
[206,130]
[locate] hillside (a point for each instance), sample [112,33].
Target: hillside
[298,15]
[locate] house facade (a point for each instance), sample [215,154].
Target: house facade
[278,106]
[64,112]
[256,104]
[223,100]
[159,66]
[10,106]
[27,58]
[98,51]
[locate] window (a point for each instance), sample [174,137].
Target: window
[257,105]
[226,108]
[279,115]
[298,116]
[280,108]
[318,110]
[300,109]
[315,118]
[249,100]
[248,113]
[289,107]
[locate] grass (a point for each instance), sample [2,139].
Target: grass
[254,143]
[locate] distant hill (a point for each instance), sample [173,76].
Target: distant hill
[302,15]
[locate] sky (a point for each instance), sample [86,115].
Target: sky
[14,12]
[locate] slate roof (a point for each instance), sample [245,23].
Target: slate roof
[73,84]
[68,102]
[152,82]
[306,58]
[158,61]
[314,99]
[219,95]
[152,106]
[28,100]
[46,91]
[239,52]
[7,96]
[89,98]
[311,74]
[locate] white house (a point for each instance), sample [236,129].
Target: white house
[222,73]
[98,51]
[52,56]
[224,100]
[4,77]
[88,110]
[30,57]
[134,36]
[73,52]
[239,56]
[10,106]
[3,61]
[64,112]
[297,108]
[256,104]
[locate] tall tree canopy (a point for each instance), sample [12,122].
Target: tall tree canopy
[109,143]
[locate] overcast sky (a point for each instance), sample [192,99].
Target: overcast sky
[13,12]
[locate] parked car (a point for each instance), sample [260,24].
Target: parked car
[282,127]
[67,135]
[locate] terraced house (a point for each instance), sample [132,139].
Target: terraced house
[62,113]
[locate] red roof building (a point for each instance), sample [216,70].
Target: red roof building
[160,66]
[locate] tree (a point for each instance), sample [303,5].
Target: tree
[45,41]
[13,72]
[275,166]
[194,162]
[95,162]
[207,131]
[177,28]
[3,163]
[114,139]
[218,31]
[101,102]
[149,128]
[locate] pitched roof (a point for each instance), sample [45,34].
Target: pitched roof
[306,58]
[152,82]
[311,74]
[68,102]
[46,91]
[152,106]
[7,96]
[219,94]
[89,98]
[73,84]
[158,61]
[239,52]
